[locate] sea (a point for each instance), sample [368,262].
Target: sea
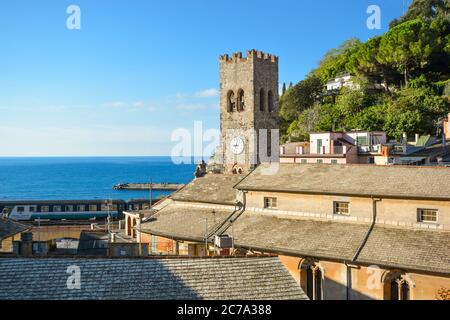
[87,178]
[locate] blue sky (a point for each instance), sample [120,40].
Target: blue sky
[137,70]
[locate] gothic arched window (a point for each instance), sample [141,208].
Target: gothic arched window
[270,101]
[241,100]
[231,102]
[397,286]
[262,100]
[311,279]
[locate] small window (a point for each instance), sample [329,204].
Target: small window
[270,203]
[57,208]
[342,208]
[81,208]
[241,101]
[334,161]
[231,102]
[371,160]
[304,161]
[428,215]
[361,141]
[32,209]
[45,209]
[69,208]
[320,161]
[271,107]
[20,209]
[93,207]
[262,101]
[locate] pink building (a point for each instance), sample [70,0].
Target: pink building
[335,148]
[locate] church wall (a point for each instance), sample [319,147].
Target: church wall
[392,212]
[366,283]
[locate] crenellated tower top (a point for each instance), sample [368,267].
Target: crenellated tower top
[251,54]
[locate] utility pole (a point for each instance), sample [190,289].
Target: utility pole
[232,239]
[206,236]
[151,195]
[140,235]
[108,226]
[39,234]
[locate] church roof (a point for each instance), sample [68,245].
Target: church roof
[320,239]
[343,241]
[148,279]
[408,249]
[185,222]
[353,180]
[212,188]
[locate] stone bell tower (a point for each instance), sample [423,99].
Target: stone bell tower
[248,107]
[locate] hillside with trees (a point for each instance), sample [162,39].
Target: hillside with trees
[411,64]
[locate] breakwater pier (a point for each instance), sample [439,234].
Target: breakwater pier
[148,186]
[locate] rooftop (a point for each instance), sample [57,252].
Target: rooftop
[149,279]
[353,180]
[185,222]
[408,249]
[303,237]
[212,188]
[8,228]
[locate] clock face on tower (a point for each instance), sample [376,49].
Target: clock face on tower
[237,145]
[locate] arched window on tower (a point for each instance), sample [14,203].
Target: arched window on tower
[262,100]
[241,100]
[231,102]
[270,101]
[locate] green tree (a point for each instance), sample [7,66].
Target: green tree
[372,118]
[415,109]
[424,9]
[407,47]
[364,62]
[300,97]
[283,91]
[336,60]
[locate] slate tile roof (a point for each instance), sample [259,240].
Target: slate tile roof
[319,239]
[8,228]
[361,180]
[212,188]
[185,222]
[154,279]
[386,246]
[408,249]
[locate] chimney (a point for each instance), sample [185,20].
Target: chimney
[405,138]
